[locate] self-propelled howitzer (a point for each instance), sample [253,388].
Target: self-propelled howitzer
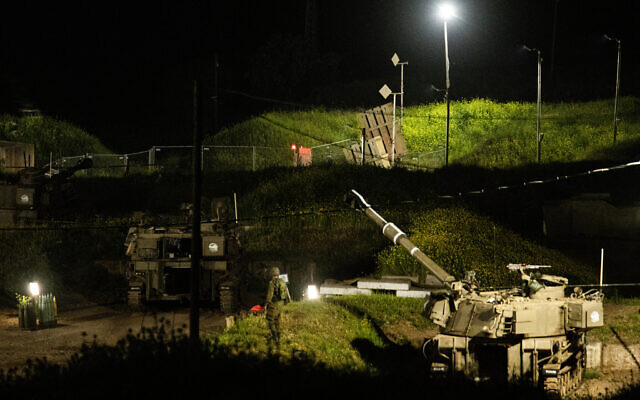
[533,332]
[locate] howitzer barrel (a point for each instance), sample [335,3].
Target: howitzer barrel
[393,233]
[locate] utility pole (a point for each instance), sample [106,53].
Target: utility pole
[396,61]
[446,93]
[553,47]
[615,102]
[539,134]
[539,101]
[216,121]
[196,239]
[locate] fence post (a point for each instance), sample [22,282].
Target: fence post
[254,159]
[152,157]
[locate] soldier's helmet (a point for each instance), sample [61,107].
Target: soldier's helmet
[275,271]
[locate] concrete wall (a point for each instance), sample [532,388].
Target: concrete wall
[613,356]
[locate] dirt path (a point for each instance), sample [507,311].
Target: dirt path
[107,323]
[607,383]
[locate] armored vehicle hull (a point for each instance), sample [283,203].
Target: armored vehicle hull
[531,333]
[37,193]
[159,267]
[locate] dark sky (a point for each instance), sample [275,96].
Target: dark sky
[124,69]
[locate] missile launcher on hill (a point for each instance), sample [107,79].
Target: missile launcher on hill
[159,266]
[532,333]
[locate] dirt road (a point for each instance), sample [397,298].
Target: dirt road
[107,323]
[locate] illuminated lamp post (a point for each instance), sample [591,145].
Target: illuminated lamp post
[446,12]
[539,135]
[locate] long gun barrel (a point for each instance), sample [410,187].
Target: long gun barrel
[393,233]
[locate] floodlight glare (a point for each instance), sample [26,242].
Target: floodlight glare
[312,292]
[34,288]
[446,11]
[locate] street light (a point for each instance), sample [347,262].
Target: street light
[396,61]
[615,102]
[446,12]
[539,135]
[385,92]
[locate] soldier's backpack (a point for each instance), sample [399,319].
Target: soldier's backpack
[279,290]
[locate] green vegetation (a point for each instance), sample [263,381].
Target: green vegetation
[591,374]
[622,325]
[460,240]
[49,136]
[386,310]
[324,331]
[331,331]
[306,128]
[483,132]
[157,363]
[499,135]
[60,259]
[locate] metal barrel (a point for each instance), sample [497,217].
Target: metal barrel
[393,233]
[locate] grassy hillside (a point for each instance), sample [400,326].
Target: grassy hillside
[339,333]
[460,240]
[483,133]
[49,136]
[490,134]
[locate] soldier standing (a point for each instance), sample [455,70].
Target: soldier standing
[277,297]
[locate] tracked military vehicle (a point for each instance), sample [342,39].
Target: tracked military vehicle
[36,193]
[159,266]
[531,333]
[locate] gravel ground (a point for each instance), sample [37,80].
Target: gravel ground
[107,323]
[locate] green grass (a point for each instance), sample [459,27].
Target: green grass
[386,310]
[49,135]
[458,239]
[483,132]
[590,373]
[627,301]
[305,128]
[324,331]
[331,332]
[498,135]
[623,327]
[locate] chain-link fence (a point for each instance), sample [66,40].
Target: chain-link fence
[424,160]
[176,159]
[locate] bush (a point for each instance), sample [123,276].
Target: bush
[49,136]
[159,363]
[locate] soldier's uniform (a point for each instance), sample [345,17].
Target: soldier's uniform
[277,296]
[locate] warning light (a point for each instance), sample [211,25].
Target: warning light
[293,147]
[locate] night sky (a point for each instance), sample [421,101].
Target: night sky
[124,71]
